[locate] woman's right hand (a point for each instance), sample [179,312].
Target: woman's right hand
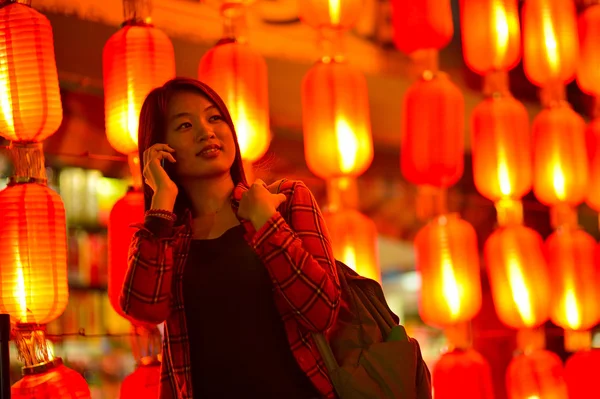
[165,190]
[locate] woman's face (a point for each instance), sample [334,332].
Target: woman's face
[202,140]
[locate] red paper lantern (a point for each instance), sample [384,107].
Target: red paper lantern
[560,156]
[142,383]
[337,122]
[336,14]
[464,371]
[581,373]
[135,60]
[421,25]
[58,382]
[239,75]
[127,211]
[550,44]
[33,254]
[519,276]
[501,148]
[491,34]
[432,146]
[574,279]
[588,67]
[31,105]
[354,241]
[448,260]
[538,374]
[592,136]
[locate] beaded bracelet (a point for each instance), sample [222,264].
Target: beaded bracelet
[163,214]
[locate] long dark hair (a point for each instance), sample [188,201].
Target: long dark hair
[153,127]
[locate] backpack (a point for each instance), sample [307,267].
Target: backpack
[367,353]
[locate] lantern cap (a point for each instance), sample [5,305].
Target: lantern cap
[43,367]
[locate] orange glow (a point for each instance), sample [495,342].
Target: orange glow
[593,147]
[551,44]
[33,254]
[127,211]
[336,119]
[337,14]
[464,371]
[536,375]
[575,278]
[519,276]
[136,59]
[432,145]
[354,240]
[239,75]
[581,374]
[560,156]
[30,105]
[501,148]
[421,25]
[491,34]
[448,261]
[588,68]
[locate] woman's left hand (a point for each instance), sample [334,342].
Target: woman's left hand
[258,204]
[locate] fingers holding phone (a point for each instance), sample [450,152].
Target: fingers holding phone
[154,172]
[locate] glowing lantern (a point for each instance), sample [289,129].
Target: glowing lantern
[136,59]
[127,211]
[33,254]
[337,124]
[421,25]
[491,34]
[581,374]
[339,14]
[239,75]
[593,147]
[58,382]
[560,157]
[464,370]
[550,45]
[448,260]
[588,68]
[574,279]
[538,374]
[433,132]
[29,93]
[519,276]
[142,383]
[354,240]
[501,147]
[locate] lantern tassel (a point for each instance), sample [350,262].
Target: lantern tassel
[234,23]
[28,163]
[31,344]
[137,12]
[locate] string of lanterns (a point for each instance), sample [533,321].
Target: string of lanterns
[33,254]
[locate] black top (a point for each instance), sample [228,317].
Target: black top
[238,345]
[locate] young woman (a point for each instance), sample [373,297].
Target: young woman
[241,275]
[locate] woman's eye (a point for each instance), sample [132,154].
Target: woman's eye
[185,125]
[215,118]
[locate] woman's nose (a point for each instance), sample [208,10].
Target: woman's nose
[205,134]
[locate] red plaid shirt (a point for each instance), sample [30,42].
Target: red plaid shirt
[298,257]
